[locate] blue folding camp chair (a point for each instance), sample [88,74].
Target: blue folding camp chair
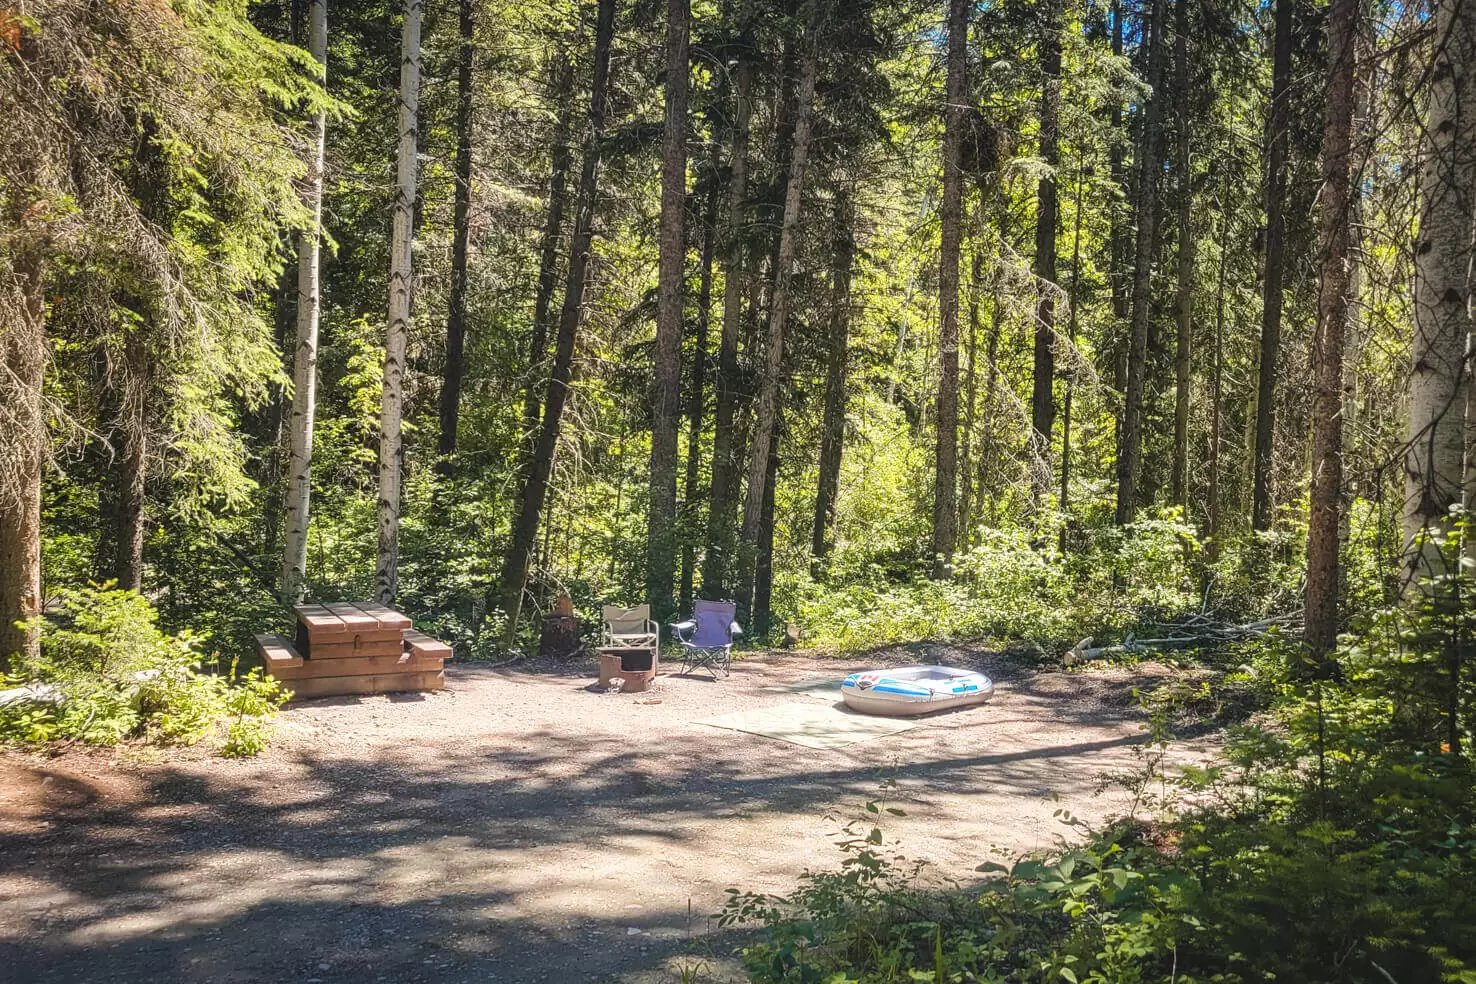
[707,637]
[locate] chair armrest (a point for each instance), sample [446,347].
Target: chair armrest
[685,626]
[735,630]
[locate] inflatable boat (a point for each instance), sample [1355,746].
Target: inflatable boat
[909,690]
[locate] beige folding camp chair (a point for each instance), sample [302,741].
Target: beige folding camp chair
[630,628]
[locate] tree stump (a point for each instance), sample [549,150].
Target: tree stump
[560,638]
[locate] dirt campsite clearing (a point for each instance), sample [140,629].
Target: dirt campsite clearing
[519,826]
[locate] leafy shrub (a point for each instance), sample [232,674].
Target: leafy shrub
[1013,583]
[112,675]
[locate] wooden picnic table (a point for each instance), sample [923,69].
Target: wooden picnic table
[345,648]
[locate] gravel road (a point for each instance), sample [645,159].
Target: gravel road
[519,827]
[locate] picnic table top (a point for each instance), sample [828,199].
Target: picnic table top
[349,618]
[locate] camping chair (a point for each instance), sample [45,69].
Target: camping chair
[630,628]
[707,637]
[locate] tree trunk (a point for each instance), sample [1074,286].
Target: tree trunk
[666,390]
[305,351]
[1043,397]
[23,438]
[698,398]
[131,472]
[1071,327]
[833,427]
[461,226]
[1184,342]
[540,464]
[1217,382]
[548,257]
[763,582]
[1278,138]
[1321,624]
[391,451]
[971,385]
[767,413]
[1434,465]
[1130,445]
[721,547]
[945,483]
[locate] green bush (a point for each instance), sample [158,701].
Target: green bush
[1013,583]
[109,674]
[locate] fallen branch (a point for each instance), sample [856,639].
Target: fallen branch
[1192,633]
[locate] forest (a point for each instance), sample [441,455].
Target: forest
[1089,329]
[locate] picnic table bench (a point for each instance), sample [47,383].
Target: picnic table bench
[343,648]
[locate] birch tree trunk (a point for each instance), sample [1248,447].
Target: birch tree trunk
[666,387]
[1325,522]
[833,426]
[540,464]
[1184,340]
[386,576]
[1130,445]
[460,238]
[767,413]
[305,350]
[945,481]
[1434,463]
[1278,137]
[1047,219]
[717,563]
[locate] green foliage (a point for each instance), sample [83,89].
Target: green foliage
[108,674]
[1013,583]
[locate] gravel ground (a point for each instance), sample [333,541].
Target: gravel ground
[519,827]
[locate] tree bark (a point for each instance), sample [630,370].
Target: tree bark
[833,426]
[766,416]
[22,447]
[548,256]
[721,546]
[391,451]
[1278,138]
[971,384]
[535,486]
[698,397]
[945,482]
[461,234]
[131,472]
[666,390]
[305,351]
[1325,521]
[1217,382]
[1434,463]
[1047,219]
[1184,341]
[763,583]
[1130,446]
[1071,328]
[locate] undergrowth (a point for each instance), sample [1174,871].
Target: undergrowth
[107,674]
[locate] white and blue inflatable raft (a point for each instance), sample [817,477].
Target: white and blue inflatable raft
[907,690]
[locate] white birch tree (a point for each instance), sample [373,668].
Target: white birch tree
[401,273]
[305,354]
